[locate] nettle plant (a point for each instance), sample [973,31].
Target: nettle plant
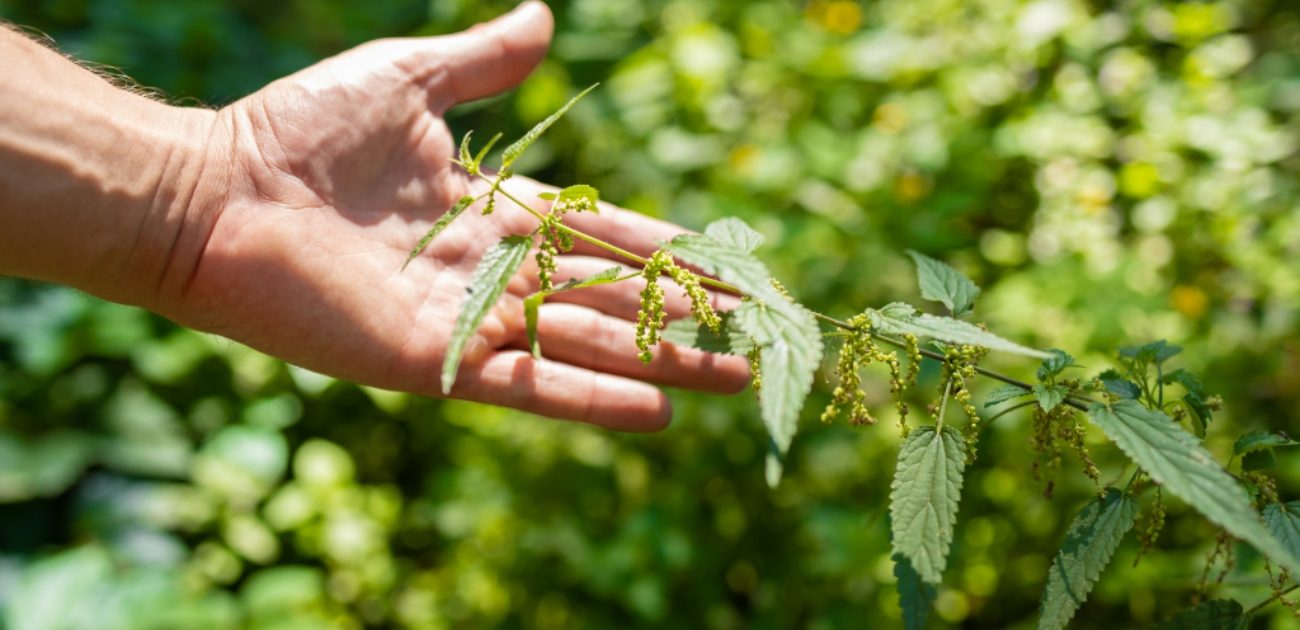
[1156,415]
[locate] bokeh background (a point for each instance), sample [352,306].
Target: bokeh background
[1110,172]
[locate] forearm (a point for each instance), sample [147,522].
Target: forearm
[98,186]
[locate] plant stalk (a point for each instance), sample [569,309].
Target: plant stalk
[730,288]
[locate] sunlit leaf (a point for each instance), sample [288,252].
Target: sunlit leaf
[438,226]
[1005,393]
[518,147]
[899,319]
[924,496]
[489,281]
[791,346]
[1049,396]
[534,302]
[1175,460]
[942,283]
[735,233]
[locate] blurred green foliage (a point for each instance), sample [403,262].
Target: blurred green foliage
[1109,172]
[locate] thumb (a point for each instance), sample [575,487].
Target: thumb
[489,58]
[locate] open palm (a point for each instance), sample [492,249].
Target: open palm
[336,171]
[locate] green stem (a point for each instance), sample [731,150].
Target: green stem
[1010,409]
[943,404]
[1271,598]
[730,288]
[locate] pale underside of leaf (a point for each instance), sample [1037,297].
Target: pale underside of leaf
[729,340]
[915,596]
[791,348]
[735,233]
[518,147]
[924,497]
[942,283]
[1175,460]
[897,321]
[489,281]
[438,226]
[1089,544]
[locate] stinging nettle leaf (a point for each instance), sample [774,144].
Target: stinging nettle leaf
[791,346]
[1175,460]
[1215,614]
[518,147]
[1092,539]
[924,496]
[941,282]
[482,153]
[1256,440]
[896,320]
[1118,385]
[489,281]
[1003,394]
[729,340]
[438,226]
[735,233]
[1049,396]
[1283,521]
[915,597]
[534,302]
[465,159]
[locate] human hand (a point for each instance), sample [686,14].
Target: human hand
[316,188]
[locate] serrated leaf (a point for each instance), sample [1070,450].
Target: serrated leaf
[1215,614]
[1003,394]
[895,320]
[923,497]
[691,334]
[1175,460]
[518,147]
[1049,396]
[791,347]
[534,302]
[1092,539]
[438,226]
[728,261]
[489,281]
[1256,440]
[1283,521]
[465,158]
[1118,385]
[482,153]
[1055,364]
[915,597]
[1157,351]
[942,283]
[735,233]
[579,197]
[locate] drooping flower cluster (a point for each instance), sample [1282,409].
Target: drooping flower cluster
[650,318]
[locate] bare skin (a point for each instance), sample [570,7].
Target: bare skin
[282,222]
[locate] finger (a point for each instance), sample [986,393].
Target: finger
[623,299]
[489,58]
[557,390]
[586,338]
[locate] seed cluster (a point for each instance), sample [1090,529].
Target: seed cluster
[959,369]
[554,241]
[650,318]
[1050,431]
[1150,525]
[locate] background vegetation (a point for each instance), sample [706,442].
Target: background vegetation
[1110,172]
